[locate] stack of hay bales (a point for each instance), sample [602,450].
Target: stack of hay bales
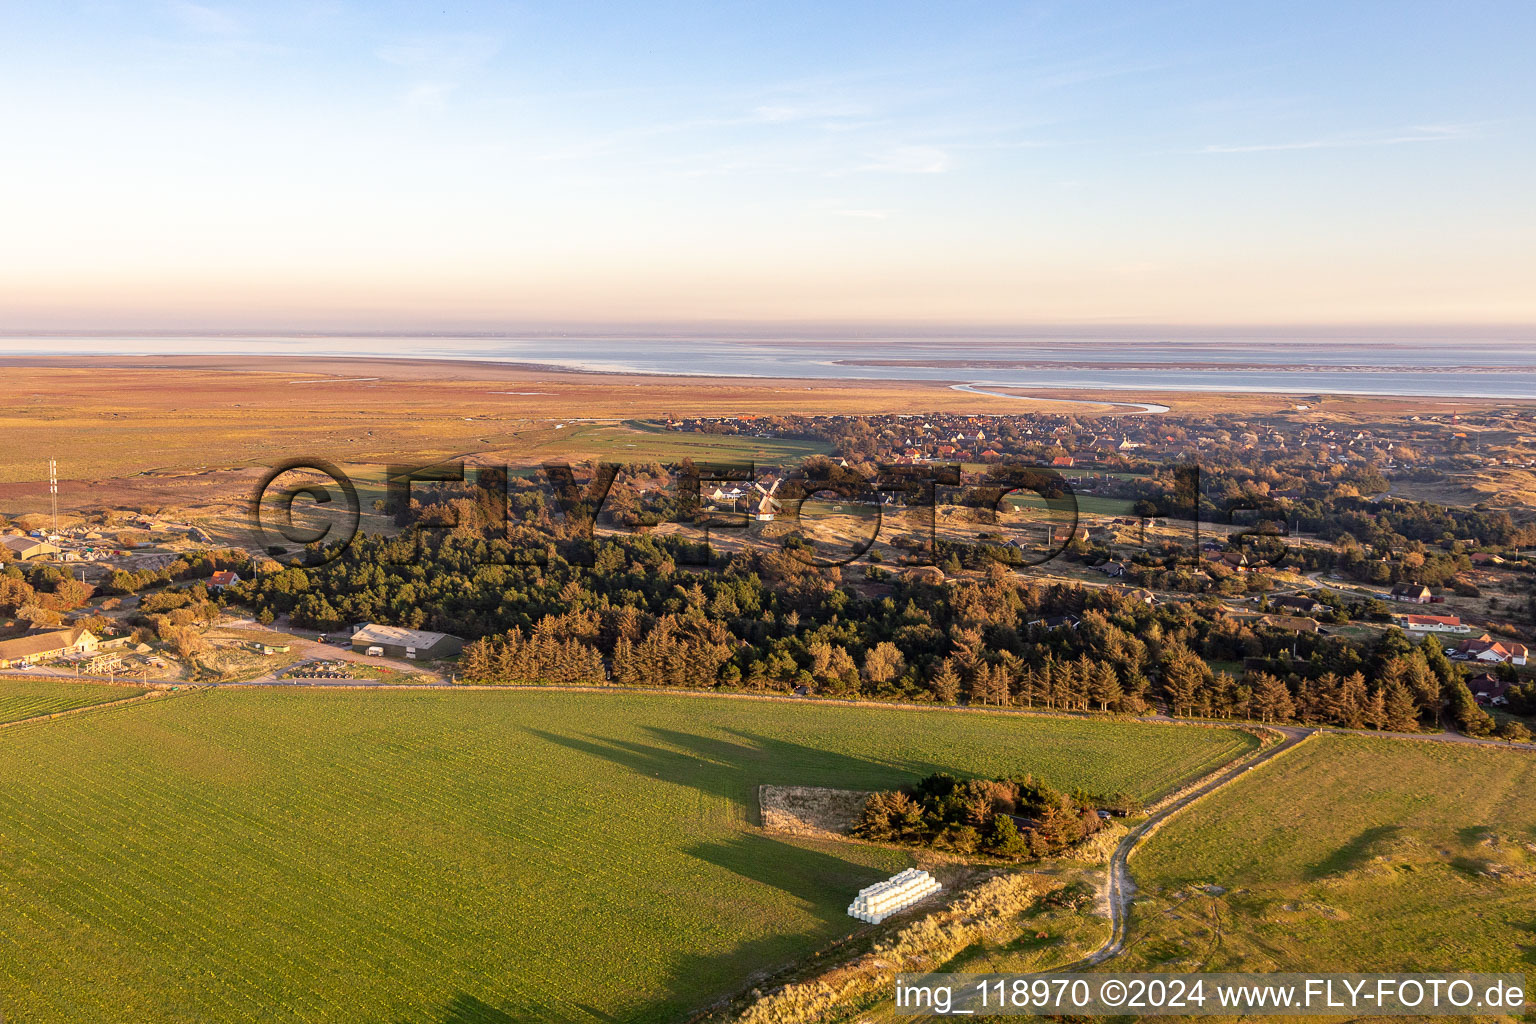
[877,902]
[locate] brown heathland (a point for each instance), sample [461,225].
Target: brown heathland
[178,430]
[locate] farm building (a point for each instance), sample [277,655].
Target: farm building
[412,644]
[29,547]
[32,648]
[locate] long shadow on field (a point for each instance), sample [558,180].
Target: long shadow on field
[799,764]
[808,875]
[659,762]
[1354,853]
[468,1009]
[732,769]
[1528,950]
[811,876]
[769,759]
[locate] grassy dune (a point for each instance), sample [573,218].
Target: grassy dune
[1349,853]
[458,857]
[28,698]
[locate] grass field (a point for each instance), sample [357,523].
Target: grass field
[1087,504]
[1348,853]
[640,441]
[462,856]
[28,698]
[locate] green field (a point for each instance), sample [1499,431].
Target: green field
[237,855]
[639,440]
[644,441]
[1348,853]
[1087,505]
[28,698]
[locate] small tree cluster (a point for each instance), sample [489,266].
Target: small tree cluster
[1008,818]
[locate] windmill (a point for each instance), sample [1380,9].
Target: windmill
[767,505]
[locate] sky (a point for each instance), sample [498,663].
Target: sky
[329,165]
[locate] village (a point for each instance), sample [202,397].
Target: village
[1106,459]
[82,628]
[95,609]
[1450,442]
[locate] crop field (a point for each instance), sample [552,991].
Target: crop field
[463,856]
[29,698]
[1348,853]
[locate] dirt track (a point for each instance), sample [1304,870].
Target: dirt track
[1118,879]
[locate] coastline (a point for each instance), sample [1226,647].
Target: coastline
[1089,392]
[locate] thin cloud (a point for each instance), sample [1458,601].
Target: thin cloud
[428,96]
[783,112]
[910,160]
[1415,134]
[440,60]
[442,53]
[202,19]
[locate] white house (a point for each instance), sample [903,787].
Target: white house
[1497,652]
[1431,623]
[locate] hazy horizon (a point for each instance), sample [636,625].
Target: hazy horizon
[791,331]
[324,165]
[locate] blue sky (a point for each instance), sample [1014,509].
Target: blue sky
[328,164]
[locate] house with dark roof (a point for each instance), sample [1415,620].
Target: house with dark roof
[1290,623]
[1300,603]
[1488,689]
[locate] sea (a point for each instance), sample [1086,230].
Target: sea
[1463,364]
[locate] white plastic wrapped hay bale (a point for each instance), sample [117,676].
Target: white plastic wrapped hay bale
[875,903]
